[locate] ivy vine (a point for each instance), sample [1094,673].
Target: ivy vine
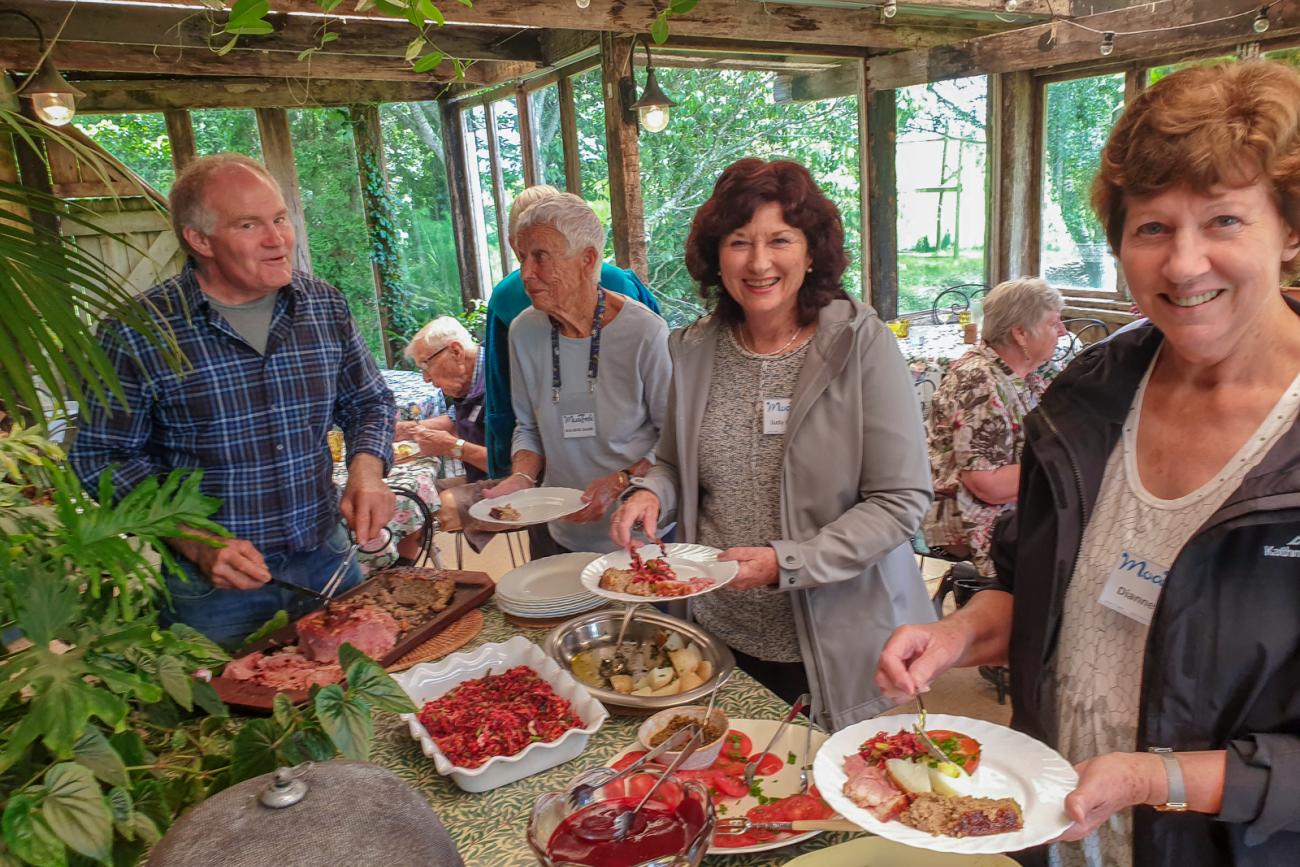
[396,298]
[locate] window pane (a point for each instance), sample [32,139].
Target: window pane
[138,140]
[329,183]
[1156,73]
[720,117]
[1080,114]
[941,160]
[480,189]
[590,109]
[548,141]
[217,130]
[509,149]
[417,182]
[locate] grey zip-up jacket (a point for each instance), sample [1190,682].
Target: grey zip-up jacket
[1222,664]
[855,486]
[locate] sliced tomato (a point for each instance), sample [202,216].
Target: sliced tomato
[963,749]
[792,809]
[728,786]
[768,764]
[639,784]
[628,759]
[736,745]
[735,841]
[734,767]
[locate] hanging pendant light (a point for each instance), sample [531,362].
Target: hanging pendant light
[654,106]
[53,98]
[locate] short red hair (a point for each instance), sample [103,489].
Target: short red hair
[1229,124]
[741,189]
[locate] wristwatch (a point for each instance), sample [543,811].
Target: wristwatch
[458,449]
[1176,798]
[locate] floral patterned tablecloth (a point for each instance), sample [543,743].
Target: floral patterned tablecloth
[419,476]
[489,828]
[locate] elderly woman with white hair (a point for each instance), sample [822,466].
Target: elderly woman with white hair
[975,428]
[585,418]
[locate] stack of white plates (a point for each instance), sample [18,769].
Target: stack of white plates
[547,588]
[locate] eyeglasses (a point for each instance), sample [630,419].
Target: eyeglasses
[425,364]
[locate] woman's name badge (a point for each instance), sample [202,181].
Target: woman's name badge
[579,424]
[1134,586]
[776,412]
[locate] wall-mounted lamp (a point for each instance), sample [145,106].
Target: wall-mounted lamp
[53,98]
[653,106]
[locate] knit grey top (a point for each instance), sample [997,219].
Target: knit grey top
[740,494]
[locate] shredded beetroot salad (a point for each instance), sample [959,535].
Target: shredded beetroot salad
[902,745]
[497,715]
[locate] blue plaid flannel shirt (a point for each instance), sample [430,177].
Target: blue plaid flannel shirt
[255,424]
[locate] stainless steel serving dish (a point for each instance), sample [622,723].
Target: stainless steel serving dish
[600,628]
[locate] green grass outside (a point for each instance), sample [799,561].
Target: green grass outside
[922,276]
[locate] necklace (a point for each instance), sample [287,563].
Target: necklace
[744,342]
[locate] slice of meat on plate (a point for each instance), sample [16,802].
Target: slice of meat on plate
[870,788]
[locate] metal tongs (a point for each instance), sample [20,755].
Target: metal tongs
[332,584]
[799,706]
[918,728]
[584,789]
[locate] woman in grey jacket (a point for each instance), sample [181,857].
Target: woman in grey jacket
[793,440]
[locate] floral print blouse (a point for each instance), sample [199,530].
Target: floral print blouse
[974,424]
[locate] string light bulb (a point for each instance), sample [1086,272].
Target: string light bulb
[1107,43]
[890,9]
[583,4]
[1261,22]
[1010,5]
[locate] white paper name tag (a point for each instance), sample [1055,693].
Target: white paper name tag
[1134,586]
[776,412]
[579,424]
[474,414]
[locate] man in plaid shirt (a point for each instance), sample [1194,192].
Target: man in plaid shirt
[274,359]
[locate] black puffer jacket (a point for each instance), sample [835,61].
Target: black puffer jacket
[1222,668]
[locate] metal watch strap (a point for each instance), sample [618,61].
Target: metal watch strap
[1176,798]
[458,450]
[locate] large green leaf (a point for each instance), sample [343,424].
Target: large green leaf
[47,606]
[346,719]
[282,710]
[29,836]
[198,645]
[279,621]
[176,680]
[96,752]
[76,810]
[120,805]
[369,682]
[205,696]
[254,751]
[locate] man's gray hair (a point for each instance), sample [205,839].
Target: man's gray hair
[436,335]
[1024,302]
[571,217]
[525,200]
[187,200]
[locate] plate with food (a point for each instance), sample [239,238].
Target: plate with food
[774,796]
[997,790]
[529,506]
[672,571]
[663,663]
[405,450]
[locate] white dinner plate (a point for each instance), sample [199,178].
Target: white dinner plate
[779,785]
[535,506]
[549,579]
[879,852]
[687,561]
[1011,765]
[553,613]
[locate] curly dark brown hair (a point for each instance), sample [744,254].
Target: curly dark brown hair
[741,189]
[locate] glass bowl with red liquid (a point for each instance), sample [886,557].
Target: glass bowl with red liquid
[672,830]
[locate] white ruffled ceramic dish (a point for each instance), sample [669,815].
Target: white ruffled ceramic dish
[1012,765]
[429,680]
[687,561]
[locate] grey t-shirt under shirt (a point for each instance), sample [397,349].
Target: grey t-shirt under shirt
[251,321]
[629,400]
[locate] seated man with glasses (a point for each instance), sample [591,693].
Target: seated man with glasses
[451,361]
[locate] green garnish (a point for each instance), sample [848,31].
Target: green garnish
[789,758]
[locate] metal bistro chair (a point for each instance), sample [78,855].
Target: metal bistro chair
[1077,332]
[953,301]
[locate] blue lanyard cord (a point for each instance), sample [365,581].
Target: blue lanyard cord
[593,360]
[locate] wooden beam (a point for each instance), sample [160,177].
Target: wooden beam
[34,172]
[1015,151]
[458,179]
[163,94]
[180,134]
[8,151]
[498,186]
[623,154]
[373,173]
[864,182]
[773,22]
[569,137]
[1142,31]
[193,27]
[241,62]
[843,80]
[277,153]
[882,201]
[527,144]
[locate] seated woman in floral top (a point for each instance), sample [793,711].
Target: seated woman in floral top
[974,426]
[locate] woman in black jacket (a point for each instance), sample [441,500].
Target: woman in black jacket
[1149,596]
